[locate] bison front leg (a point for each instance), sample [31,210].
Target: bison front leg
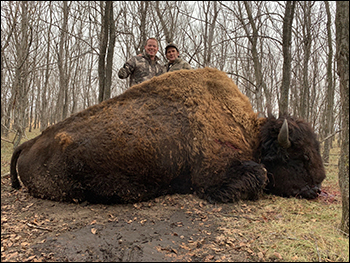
[242,181]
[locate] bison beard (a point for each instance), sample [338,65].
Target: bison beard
[182,132]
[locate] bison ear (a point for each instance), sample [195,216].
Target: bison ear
[283,136]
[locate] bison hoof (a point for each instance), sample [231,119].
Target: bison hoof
[244,181]
[309,193]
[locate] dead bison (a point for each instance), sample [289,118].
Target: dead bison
[186,131]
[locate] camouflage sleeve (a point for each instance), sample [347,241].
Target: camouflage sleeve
[187,66]
[127,69]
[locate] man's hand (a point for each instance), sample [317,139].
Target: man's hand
[123,74]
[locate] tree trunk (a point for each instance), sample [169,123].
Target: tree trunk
[342,56]
[211,34]
[44,109]
[61,106]
[330,89]
[109,66]
[20,83]
[107,38]
[169,37]
[103,48]
[287,42]
[305,90]
[5,116]
[143,23]
[208,37]
[253,39]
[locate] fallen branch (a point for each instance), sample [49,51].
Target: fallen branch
[5,175]
[38,227]
[239,217]
[344,233]
[329,136]
[6,140]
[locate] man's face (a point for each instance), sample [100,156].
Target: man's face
[151,47]
[171,54]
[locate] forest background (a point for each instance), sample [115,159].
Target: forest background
[60,57]
[51,53]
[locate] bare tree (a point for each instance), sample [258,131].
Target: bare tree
[34,84]
[20,85]
[5,118]
[62,62]
[330,89]
[44,98]
[287,42]
[168,28]
[253,39]
[109,66]
[107,39]
[342,56]
[307,41]
[209,33]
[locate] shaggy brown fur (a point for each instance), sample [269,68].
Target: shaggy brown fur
[189,130]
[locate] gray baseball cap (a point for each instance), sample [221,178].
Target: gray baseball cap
[171,45]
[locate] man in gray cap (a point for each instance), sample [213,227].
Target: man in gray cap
[174,62]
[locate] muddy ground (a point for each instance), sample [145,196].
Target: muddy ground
[168,228]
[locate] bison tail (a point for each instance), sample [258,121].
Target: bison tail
[13,168]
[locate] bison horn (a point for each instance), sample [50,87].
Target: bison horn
[283,136]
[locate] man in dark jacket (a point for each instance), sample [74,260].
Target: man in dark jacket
[174,61]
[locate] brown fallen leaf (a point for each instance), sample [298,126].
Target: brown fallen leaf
[277,255]
[12,255]
[24,244]
[209,257]
[185,247]
[242,244]
[94,231]
[138,205]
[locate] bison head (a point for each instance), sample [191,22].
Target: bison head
[291,154]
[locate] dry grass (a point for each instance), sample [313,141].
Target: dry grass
[290,229]
[275,228]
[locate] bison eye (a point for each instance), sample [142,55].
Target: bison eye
[306,157]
